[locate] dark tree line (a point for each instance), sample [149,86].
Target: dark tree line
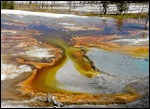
[7,4]
[122,6]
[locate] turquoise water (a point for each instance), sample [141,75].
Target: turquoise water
[119,65]
[118,70]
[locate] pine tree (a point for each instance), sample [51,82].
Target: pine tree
[7,4]
[11,5]
[122,6]
[105,6]
[4,4]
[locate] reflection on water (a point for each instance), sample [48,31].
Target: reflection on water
[109,26]
[119,23]
[55,34]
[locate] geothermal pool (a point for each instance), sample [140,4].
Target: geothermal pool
[64,51]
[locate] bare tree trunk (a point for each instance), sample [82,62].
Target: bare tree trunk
[80,2]
[91,2]
[42,5]
[100,8]
[83,3]
[36,5]
[70,5]
[141,11]
[105,6]
[96,2]
[30,3]
[40,2]
[74,4]
[52,4]
[21,3]
[46,5]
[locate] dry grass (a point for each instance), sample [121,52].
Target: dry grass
[52,10]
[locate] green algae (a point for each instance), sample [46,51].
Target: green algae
[83,67]
[45,78]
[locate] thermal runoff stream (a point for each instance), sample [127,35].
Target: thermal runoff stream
[78,59]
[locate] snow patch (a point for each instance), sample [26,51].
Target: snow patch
[134,41]
[42,14]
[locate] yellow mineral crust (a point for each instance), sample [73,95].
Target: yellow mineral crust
[100,42]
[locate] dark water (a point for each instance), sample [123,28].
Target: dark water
[49,25]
